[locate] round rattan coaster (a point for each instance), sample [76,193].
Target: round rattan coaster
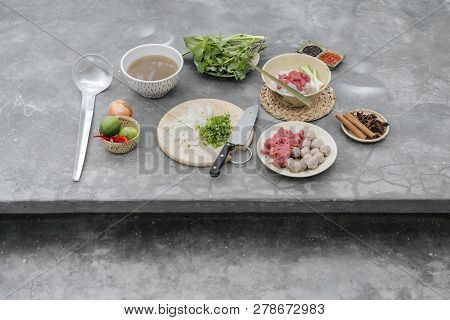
[282,110]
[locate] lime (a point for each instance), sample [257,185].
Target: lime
[109,126]
[128,132]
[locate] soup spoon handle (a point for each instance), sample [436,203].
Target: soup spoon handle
[87,112]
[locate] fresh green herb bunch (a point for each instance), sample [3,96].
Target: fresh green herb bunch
[216,130]
[224,56]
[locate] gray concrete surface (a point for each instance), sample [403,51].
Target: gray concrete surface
[224,257]
[397,63]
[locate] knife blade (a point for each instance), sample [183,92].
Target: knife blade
[239,136]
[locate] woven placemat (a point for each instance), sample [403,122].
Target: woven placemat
[282,110]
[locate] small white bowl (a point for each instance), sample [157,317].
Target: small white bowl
[151,89]
[293,61]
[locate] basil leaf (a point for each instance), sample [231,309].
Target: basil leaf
[224,56]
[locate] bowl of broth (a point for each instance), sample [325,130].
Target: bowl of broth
[152,70]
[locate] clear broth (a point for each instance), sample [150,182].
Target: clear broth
[152,68]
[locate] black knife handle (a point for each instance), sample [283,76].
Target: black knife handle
[215,170]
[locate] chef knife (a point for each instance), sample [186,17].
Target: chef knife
[239,136]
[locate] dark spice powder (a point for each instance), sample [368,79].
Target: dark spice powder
[312,50]
[372,122]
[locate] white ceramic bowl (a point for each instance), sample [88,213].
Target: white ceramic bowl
[151,89]
[293,61]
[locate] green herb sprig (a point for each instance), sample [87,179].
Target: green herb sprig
[216,130]
[224,56]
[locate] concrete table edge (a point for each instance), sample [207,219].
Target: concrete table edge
[224,206]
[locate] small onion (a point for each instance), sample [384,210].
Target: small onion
[120,108]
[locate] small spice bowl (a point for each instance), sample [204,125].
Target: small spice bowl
[122,147]
[315,49]
[325,56]
[311,48]
[367,111]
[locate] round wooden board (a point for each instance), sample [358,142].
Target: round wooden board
[197,155]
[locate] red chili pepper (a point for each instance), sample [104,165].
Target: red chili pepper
[115,139]
[102,137]
[121,139]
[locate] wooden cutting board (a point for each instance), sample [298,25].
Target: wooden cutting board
[194,155]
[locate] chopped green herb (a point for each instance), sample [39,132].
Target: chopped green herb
[216,130]
[224,56]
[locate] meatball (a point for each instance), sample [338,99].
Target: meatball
[307,156]
[295,153]
[304,152]
[306,143]
[316,143]
[310,135]
[302,164]
[320,157]
[314,151]
[326,150]
[312,163]
[290,163]
[296,166]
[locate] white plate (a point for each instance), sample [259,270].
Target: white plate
[295,126]
[255,61]
[365,111]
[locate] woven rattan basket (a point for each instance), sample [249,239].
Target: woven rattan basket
[124,147]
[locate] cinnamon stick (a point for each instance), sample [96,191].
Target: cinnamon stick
[351,127]
[350,117]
